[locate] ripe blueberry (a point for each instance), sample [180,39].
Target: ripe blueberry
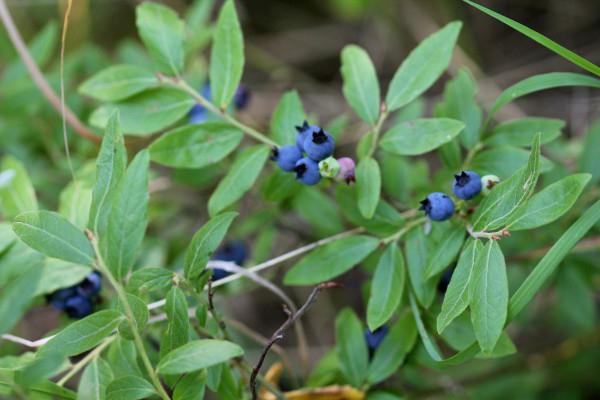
[466,185]
[438,206]
[59,298]
[375,338]
[329,167]
[303,131]
[487,183]
[241,98]
[234,251]
[78,306]
[318,145]
[91,285]
[286,156]
[347,167]
[307,171]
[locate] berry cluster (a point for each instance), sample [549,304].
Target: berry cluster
[199,114]
[467,184]
[78,301]
[234,251]
[310,158]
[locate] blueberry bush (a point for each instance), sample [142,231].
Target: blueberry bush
[132,272]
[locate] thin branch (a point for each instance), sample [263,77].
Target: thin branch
[95,353]
[488,235]
[278,335]
[38,77]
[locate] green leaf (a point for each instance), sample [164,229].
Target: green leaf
[288,114]
[420,136]
[122,357]
[94,380]
[541,82]
[456,298]
[140,313]
[151,279]
[128,217]
[42,48]
[521,132]
[84,334]
[503,161]
[430,346]
[205,242]
[392,351]
[459,103]
[351,347]
[196,145]
[422,67]
[575,300]
[110,167]
[51,234]
[74,203]
[488,292]
[552,202]
[387,287]
[589,160]
[505,202]
[118,82]
[368,185]
[16,192]
[191,387]
[541,39]
[241,177]
[361,87]
[57,274]
[7,236]
[198,354]
[325,219]
[178,326]
[148,112]
[17,295]
[227,56]
[445,251]
[163,32]
[331,260]
[129,387]
[417,252]
[548,264]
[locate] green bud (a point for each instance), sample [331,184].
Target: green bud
[487,183]
[329,167]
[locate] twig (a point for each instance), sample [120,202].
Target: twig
[278,335]
[488,235]
[214,313]
[85,360]
[38,77]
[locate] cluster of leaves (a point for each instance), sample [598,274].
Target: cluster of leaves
[103,217]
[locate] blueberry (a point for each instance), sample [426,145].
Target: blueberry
[241,97]
[78,306]
[286,156]
[91,285]
[303,131]
[234,251]
[59,298]
[375,338]
[318,145]
[438,206]
[307,171]
[197,114]
[466,185]
[347,167]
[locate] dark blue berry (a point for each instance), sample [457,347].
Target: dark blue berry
[466,185]
[318,145]
[375,338]
[234,251]
[307,171]
[91,285]
[79,306]
[438,206]
[286,156]
[241,98]
[59,298]
[303,131]
[197,114]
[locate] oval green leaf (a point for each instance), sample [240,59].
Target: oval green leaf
[118,82]
[198,354]
[368,186]
[387,287]
[420,136]
[361,87]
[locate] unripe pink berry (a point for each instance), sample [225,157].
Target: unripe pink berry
[347,167]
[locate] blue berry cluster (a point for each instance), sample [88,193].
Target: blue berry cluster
[199,114]
[78,301]
[375,338]
[234,251]
[440,207]
[310,157]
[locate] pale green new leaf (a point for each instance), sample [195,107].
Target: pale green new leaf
[521,132]
[488,293]
[198,354]
[351,347]
[241,177]
[191,387]
[420,136]
[331,260]
[129,387]
[422,67]
[205,242]
[163,33]
[177,332]
[550,203]
[227,56]
[94,380]
[57,274]
[196,145]
[74,203]
[361,87]
[368,186]
[118,82]
[288,114]
[16,191]
[387,287]
[51,234]
[140,313]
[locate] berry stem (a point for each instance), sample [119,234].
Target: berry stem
[377,130]
[488,235]
[86,360]
[398,235]
[471,154]
[183,85]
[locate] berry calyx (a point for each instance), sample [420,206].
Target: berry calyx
[318,144]
[437,206]
[303,131]
[466,185]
